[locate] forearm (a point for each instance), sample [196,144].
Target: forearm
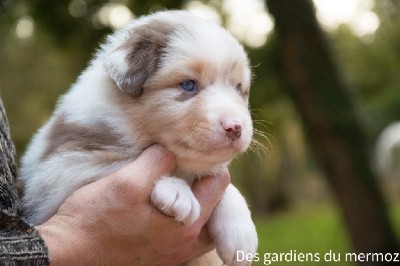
[20,244]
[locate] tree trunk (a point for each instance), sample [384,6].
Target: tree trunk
[331,124]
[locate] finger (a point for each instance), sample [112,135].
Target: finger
[209,191]
[153,163]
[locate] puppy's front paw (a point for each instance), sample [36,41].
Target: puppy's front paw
[234,239]
[173,197]
[232,228]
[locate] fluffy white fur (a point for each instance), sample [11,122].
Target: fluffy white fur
[132,104]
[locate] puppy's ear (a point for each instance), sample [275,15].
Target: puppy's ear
[138,57]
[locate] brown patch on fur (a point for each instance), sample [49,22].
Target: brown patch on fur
[205,72]
[184,96]
[64,136]
[236,71]
[108,157]
[145,47]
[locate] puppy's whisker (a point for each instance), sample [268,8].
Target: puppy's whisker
[262,133]
[264,136]
[258,144]
[258,147]
[262,123]
[253,148]
[252,110]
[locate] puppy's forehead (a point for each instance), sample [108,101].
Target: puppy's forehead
[205,48]
[205,41]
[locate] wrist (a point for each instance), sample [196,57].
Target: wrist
[67,244]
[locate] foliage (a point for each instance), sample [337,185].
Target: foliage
[372,66]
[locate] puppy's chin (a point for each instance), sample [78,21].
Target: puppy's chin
[201,163]
[200,159]
[211,155]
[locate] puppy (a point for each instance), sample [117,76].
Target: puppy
[167,78]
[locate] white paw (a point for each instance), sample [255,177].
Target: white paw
[232,228]
[234,238]
[173,197]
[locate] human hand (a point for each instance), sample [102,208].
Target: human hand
[111,221]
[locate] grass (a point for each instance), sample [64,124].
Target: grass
[315,229]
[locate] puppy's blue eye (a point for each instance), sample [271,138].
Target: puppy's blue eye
[189,85]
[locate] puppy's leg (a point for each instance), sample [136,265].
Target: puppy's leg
[232,228]
[173,197]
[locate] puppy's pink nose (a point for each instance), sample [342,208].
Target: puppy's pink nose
[233,129]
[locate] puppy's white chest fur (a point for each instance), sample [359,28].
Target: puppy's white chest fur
[167,78]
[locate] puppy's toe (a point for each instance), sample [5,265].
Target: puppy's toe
[173,197]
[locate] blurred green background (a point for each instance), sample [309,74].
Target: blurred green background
[44,45]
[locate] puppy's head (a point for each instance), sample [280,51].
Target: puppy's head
[183,82]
